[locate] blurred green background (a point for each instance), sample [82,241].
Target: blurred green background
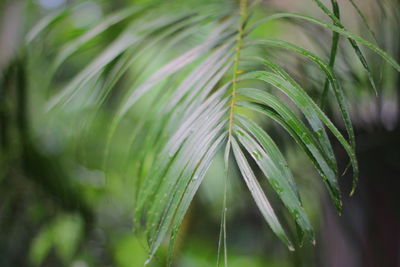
[67,200]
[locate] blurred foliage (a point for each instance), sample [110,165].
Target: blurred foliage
[67,196]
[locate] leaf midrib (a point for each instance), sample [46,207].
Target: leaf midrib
[239,45]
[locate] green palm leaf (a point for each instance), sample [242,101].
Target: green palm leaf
[200,101]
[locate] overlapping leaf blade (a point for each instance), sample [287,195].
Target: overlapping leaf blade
[258,194]
[279,182]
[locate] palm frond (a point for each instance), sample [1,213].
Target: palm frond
[200,101]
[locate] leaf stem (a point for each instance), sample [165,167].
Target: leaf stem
[239,44]
[332,58]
